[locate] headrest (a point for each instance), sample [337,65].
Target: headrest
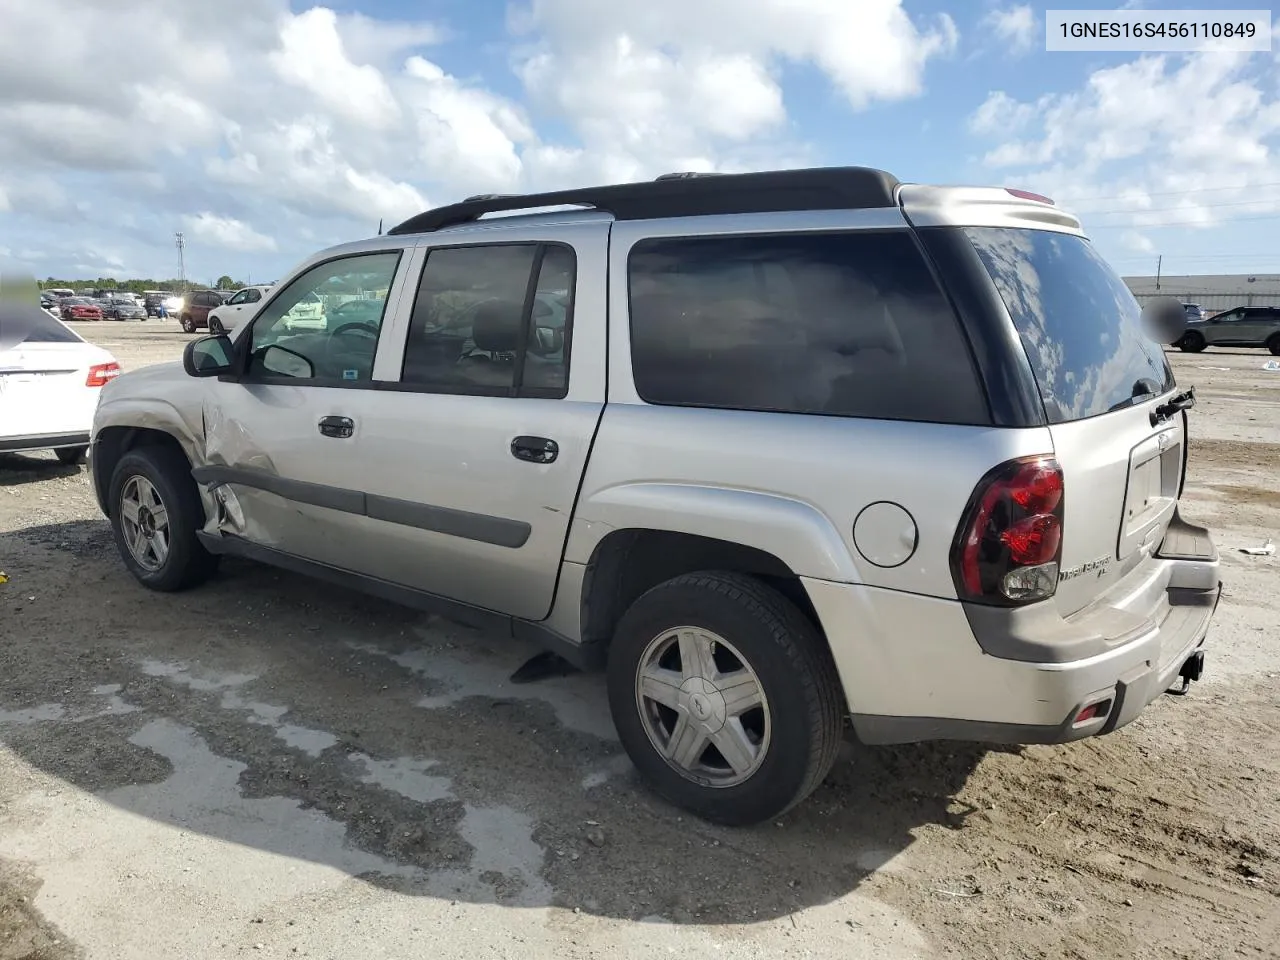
[496,327]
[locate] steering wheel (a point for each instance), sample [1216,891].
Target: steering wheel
[357,326]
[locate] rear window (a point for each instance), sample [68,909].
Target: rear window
[843,324]
[29,324]
[1079,324]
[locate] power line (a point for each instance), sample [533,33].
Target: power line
[1274,201]
[1172,193]
[1180,223]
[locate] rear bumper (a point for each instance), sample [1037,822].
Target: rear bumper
[913,668]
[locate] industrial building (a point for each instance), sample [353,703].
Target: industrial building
[1214,293]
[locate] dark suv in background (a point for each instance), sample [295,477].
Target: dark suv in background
[196,307]
[1239,327]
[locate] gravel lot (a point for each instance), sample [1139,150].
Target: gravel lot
[268,767]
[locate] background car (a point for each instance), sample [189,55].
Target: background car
[1193,312]
[50,380]
[194,313]
[122,309]
[1238,327]
[80,308]
[307,314]
[242,305]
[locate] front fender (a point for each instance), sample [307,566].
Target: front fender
[151,413]
[795,532]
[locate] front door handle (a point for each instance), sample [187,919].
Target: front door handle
[535,449]
[339,428]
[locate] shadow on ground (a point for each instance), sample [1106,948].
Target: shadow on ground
[286,716]
[17,469]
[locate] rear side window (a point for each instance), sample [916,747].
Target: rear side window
[1078,322]
[843,324]
[27,323]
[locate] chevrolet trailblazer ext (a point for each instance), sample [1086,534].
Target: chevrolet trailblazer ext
[780,449]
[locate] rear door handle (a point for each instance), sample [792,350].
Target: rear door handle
[535,449]
[339,428]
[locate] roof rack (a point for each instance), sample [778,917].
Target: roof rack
[684,195]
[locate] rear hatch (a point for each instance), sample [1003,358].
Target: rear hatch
[1105,385]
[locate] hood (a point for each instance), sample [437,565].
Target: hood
[138,381]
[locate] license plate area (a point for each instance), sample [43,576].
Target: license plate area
[1152,491]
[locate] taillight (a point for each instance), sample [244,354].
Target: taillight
[1008,546]
[100,373]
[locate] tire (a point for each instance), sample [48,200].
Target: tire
[1192,342]
[188,325]
[215,326]
[1273,344]
[769,636]
[186,563]
[71,455]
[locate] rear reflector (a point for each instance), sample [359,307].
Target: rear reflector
[1093,712]
[101,373]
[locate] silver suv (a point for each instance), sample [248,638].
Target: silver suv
[782,450]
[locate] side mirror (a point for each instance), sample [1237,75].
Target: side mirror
[1164,319]
[209,356]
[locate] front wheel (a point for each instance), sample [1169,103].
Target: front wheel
[215,326]
[1273,344]
[188,325]
[725,697]
[155,513]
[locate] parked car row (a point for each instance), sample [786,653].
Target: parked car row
[1237,327]
[99,305]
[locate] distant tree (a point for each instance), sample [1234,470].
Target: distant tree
[226,283]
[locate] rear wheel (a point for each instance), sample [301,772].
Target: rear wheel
[1273,344]
[1192,342]
[725,697]
[71,455]
[155,513]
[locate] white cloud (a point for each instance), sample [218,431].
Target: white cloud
[224,117]
[312,56]
[227,232]
[647,84]
[1137,242]
[1156,141]
[1014,27]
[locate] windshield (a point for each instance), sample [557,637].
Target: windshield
[1079,324]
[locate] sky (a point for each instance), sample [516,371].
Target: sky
[264,130]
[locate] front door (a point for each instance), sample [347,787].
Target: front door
[281,439]
[473,462]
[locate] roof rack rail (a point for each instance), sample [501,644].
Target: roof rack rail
[773,191]
[684,175]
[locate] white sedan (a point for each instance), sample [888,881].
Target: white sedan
[50,379]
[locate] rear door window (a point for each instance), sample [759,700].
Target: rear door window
[1078,322]
[841,324]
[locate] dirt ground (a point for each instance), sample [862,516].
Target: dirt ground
[267,767]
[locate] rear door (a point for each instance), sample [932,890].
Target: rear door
[1101,378]
[472,462]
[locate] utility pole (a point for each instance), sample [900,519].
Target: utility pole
[1159,264]
[180,242]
